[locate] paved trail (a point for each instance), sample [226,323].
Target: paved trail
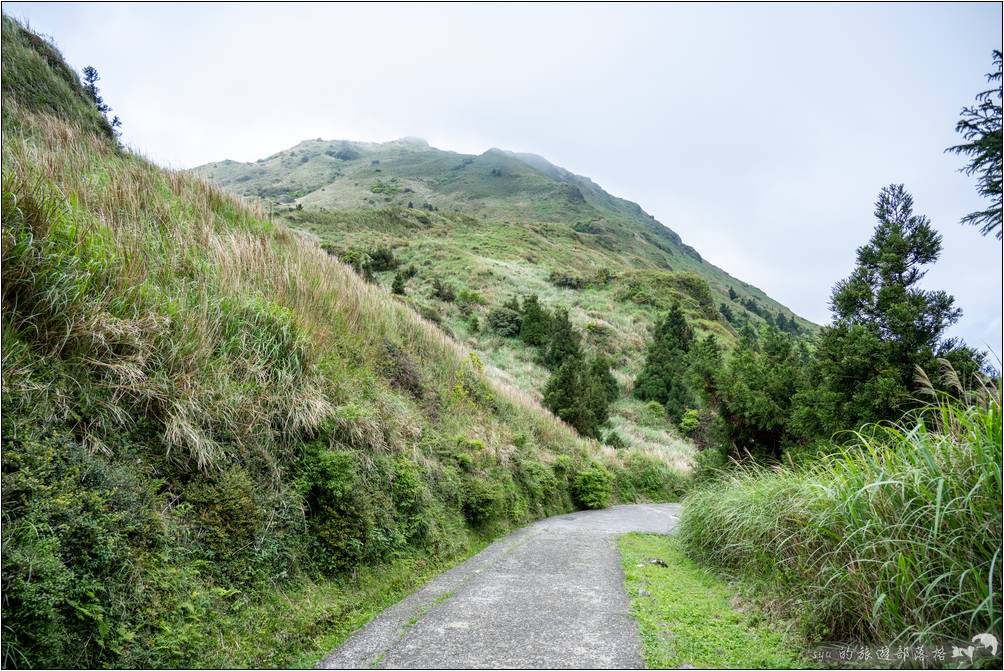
[550,595]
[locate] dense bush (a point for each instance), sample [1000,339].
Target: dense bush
[468,299]
[483,501]
[648,479]
[614,440]
[566,280]
[339,514]
[690,422]
[661,289]
[382,258]
[360,262]
[709,463]
[227,515]
[444,291]
[346,154]
[592,487]
[503,321]
[72,532]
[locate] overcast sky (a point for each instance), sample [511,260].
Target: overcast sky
[760,133]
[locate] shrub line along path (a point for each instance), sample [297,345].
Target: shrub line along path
[550,595]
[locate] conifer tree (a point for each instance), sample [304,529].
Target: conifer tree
[885,326]
[980,126]
[663,379]
[705,362]
[567,395]
[756,389]
[397,286]
[726,312]
[91,79]
[535,329]
[563,342]
[581,395]
[595,398]
[599,372]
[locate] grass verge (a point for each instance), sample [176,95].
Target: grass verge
[687,615]
[296,628]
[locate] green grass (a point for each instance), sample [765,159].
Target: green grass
[688,616]
[503,224]
[895,538]
[296,626]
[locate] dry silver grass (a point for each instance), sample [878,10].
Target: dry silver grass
[198,231]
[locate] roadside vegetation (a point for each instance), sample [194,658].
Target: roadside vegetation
[894,537]
[214,431]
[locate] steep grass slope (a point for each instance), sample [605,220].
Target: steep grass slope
[202,409]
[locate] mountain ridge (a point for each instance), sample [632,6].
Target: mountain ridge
[509,186]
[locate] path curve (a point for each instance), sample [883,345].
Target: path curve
[550,595]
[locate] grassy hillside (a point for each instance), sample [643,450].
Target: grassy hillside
[501,225]
[503,188]
[220,446]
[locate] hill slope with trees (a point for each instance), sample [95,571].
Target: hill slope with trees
[501,248]
[222,446]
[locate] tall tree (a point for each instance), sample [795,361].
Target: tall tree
[599,372]
[92,91]
[882,292]
[569,395]
[563,342]
[663,378]
[755,390]
[884,327]
[91,78]
[704,366]
[980,126]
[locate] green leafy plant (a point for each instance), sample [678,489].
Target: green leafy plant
[592,487]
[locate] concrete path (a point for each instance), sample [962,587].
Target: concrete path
[548,596]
